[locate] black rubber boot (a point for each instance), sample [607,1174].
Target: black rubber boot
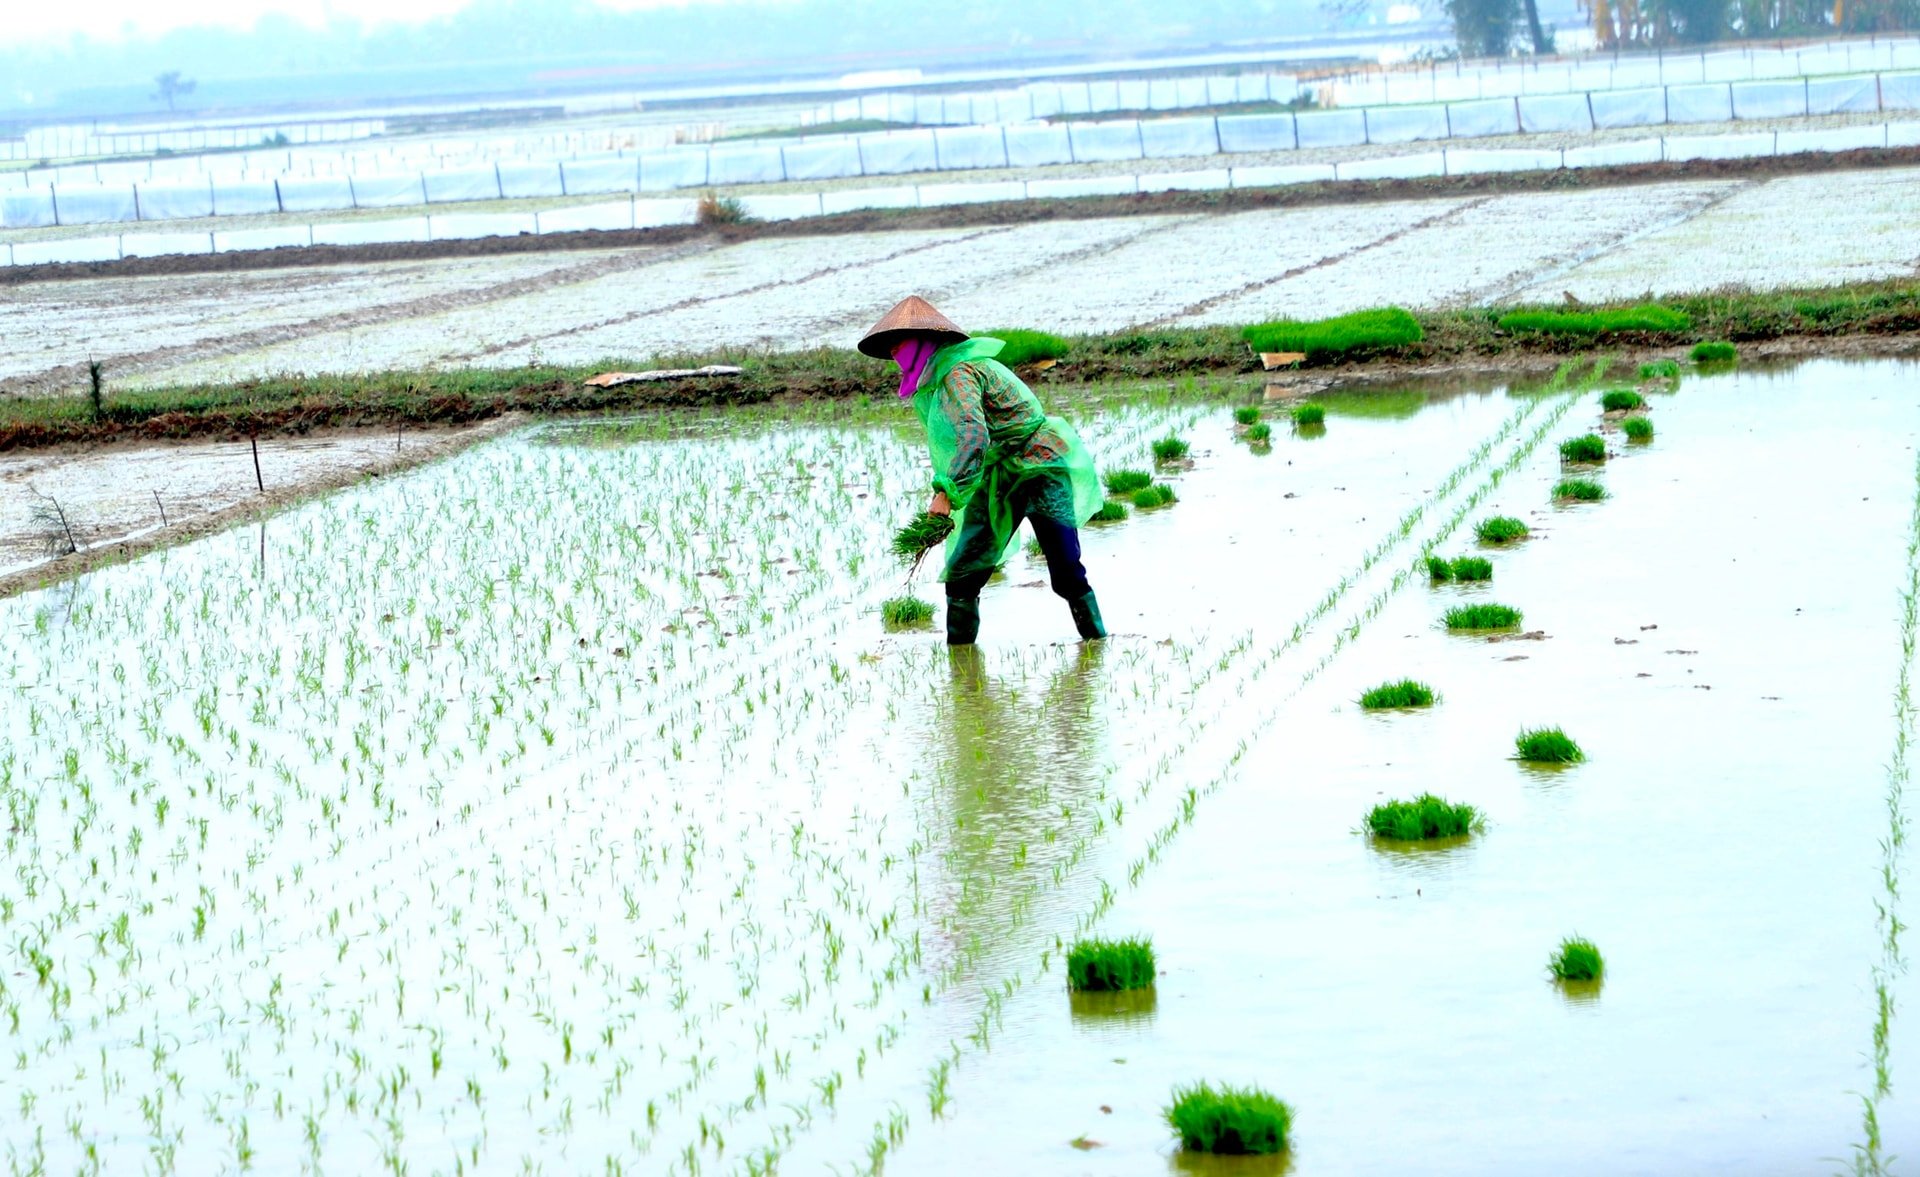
[963,620]
[1086,617]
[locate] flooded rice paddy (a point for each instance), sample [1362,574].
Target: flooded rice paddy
[565,807]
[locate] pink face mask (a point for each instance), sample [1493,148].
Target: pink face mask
[912,354]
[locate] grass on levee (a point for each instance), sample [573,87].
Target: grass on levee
[293,402]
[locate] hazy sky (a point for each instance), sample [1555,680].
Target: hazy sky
[106,18]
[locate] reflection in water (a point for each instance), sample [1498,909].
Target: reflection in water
[1210,1165]
[1429,859]
[1128,1009]
[1580,993]
[1545,773]
[1014,767]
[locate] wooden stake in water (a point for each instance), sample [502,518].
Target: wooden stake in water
[254,441]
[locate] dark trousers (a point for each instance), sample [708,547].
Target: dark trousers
[1059,542]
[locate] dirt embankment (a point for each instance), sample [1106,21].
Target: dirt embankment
[1000,214]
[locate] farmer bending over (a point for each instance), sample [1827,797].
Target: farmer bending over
[997,459]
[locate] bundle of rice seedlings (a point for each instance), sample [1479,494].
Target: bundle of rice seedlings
[924,533]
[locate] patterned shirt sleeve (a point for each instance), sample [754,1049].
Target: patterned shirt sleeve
[962,405]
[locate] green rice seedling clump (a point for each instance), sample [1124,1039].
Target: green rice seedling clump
[1096,965]
[1638,428]
[1111,511]
[1027,347]
[1660,370]
[1547,745]
[924,533]
[899,612]
[1230,1120]
[1405,693]
[1170,449]
[1577,960]
[1309,414]
[1473,568]
[1246,414]
[1149,497]
[1588,447]
[1578,490]
[1500,529]
[1649,318]
[1422,819]
[1259,433]
[1326,339]
[1483,617]
[1715,353]
[1125,482]
[1439,569]
[1622,400]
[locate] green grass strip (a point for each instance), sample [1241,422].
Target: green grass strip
[1650,318]
[1342,335]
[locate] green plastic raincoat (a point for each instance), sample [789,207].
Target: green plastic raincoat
[989,437]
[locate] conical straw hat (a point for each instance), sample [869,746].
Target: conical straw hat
[912,314]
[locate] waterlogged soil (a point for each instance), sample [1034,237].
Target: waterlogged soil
[566,801]
[1721,635]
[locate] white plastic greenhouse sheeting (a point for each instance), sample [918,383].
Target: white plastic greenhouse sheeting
[595,176]
[652,214]
[581,218]
[1089,186]
[822,159]
[1900,91]
[27,210]
[1769,100]
[859,198]
[1105,142]
[467,226]
[1331,128]
[1207,180]
[526,181]
[1836,139]
[1473,120]
[895,153]
[1462,163]
[1134,94]
[1033,145]
[243,198]
[1257,132]
[744,165]
[662,170]
[934,195]
[1685,147]
[1406,124]
[387,191]
[12,181]
[1903,134]
[1605,155]
[969,148]
[322,195]
[1397,167]
[101,205]
[1628,108]
[173,202]
[1842,95]
[371,232]
[1555,112]
[1280,174]
[450,187]
[88,249]
[166,244]
[782,208]
[284,237]
[1699,104]
[1174,138]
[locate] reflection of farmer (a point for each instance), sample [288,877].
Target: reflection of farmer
[997,459]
